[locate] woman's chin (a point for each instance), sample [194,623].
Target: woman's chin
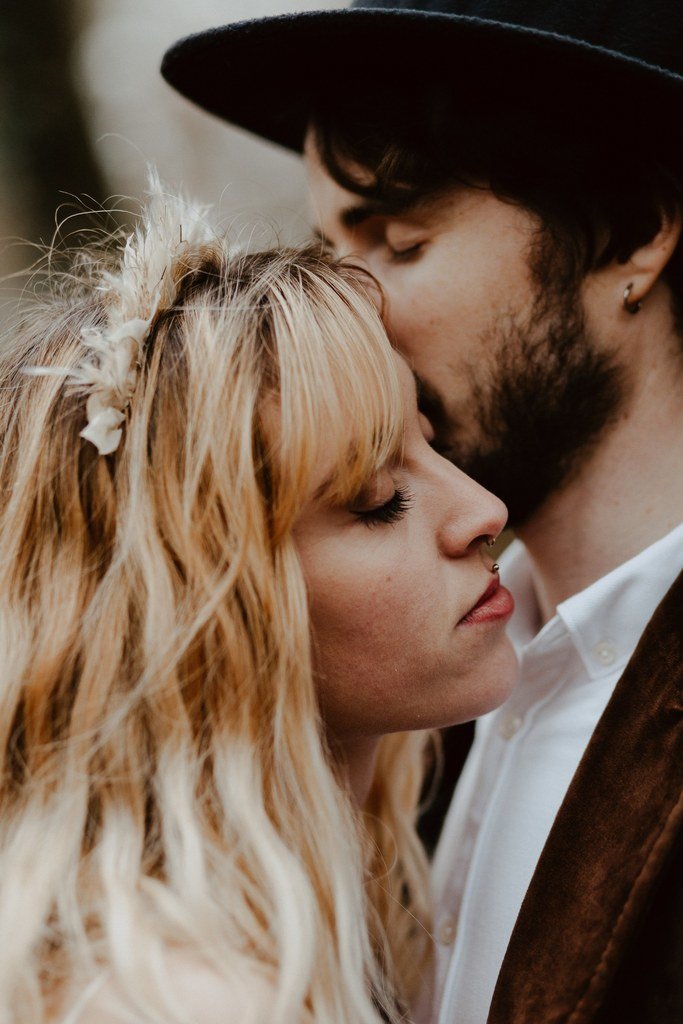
[482,689]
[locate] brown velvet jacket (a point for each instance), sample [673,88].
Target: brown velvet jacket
[599,937]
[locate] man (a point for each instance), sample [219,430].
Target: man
[512,173]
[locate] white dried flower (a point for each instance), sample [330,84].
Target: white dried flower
[141,287]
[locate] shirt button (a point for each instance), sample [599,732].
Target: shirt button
[447,931]
[509,725]
[605,653]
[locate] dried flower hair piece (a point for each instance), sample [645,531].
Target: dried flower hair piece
[142,286]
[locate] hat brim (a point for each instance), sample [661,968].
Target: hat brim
[268,75]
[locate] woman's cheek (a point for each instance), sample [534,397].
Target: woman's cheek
[371,615]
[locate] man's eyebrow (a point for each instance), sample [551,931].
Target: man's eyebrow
[352,216]
[395,206]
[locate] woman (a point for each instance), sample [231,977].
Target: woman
[226,600]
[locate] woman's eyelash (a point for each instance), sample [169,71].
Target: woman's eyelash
[391,511]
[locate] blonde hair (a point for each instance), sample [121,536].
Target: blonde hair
[166,783]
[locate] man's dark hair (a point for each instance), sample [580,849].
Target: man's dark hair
[599,192]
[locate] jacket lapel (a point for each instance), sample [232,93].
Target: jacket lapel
[612,835]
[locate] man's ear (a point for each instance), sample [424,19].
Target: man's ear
[645,265]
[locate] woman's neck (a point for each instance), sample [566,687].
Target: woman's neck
[357,759]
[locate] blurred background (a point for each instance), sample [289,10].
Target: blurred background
[83,110]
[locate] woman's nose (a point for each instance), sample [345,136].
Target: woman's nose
[472,515]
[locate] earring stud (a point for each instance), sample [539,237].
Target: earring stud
[631,307]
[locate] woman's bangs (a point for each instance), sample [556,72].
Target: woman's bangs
[348,399]
[368,422]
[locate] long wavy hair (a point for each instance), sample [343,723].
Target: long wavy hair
[166,781]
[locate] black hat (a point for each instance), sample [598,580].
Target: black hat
[621,60]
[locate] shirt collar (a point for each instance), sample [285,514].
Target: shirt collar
[605,621]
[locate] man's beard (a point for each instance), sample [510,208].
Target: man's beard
[539,405]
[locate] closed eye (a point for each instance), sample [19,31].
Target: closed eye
[392,511]
[406,254]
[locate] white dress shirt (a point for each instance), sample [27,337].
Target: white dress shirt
[523,759]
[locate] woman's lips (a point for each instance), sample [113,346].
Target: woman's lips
[495,603]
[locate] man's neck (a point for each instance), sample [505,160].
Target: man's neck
[627,495]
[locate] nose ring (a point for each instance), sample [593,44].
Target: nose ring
[495,567]
[490,542]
